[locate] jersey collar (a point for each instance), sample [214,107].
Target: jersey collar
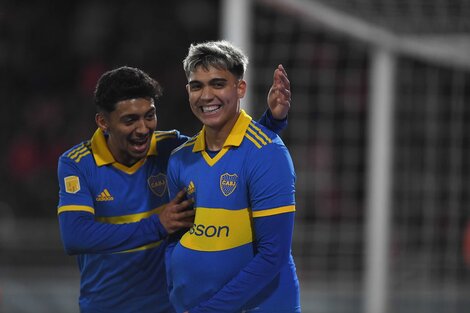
[101,152]
[235,137]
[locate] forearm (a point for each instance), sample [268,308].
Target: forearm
[82,234]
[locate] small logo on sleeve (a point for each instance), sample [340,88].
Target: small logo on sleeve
[228,183]
[72,184]
[104,196]
[157,184]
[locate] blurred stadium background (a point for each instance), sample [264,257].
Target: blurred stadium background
[379,131]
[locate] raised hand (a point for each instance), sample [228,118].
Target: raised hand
[279,95]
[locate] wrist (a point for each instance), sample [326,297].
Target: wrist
[271,115]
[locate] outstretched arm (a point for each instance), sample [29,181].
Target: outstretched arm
[82,232]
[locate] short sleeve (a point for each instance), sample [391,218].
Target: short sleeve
[73,184]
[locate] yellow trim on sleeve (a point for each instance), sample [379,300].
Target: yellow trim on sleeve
[263,141]
[75,208]
[253,141]
[145,247]
[73,154]
[82,155]
[131,218]
[261,132]
[279,210]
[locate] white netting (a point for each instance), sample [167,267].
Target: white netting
[328,66]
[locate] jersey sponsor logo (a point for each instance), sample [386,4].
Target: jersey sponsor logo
[72,184]
[219,229]
[157,184]
[210,230]
[191,188]
[228,183]
[105,196]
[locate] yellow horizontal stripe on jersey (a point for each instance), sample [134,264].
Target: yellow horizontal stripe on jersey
[145,247]
[219,229]
[279,210]
[131,218]
[74,208]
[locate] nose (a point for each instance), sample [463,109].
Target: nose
[206,93]
[141,127]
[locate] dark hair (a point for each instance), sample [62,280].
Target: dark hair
[219,54]
[124,83]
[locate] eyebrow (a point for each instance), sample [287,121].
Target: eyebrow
[212,81]
[217,80]
[135,115]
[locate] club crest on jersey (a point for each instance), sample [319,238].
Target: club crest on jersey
[228,183]
[157,184]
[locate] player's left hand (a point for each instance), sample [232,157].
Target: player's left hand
[279,96]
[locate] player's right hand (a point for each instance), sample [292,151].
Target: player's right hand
[177,214]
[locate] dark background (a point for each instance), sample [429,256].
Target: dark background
[51,55]
[53,52]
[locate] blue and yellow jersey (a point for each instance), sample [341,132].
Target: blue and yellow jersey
[237,256]
[108,215]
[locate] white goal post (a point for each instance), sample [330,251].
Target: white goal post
[386,47]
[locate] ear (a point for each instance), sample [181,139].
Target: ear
[187,88]
[101,121]
[241,88]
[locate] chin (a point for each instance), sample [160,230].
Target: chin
[211,121]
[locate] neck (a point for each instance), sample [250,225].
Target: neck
[215,137]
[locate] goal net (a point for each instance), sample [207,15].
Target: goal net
[410,257]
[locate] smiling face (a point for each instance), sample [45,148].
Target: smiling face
[129,127]
[214,97]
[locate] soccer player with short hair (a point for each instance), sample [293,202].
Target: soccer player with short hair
[114,211]
[237,256]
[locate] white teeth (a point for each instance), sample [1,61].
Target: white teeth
[211,108]
[139,141]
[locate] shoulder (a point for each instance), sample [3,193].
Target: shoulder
[186,147]
[76,161]
[261,138]
[78,154]
[163,135]
[168,140]
[266,149]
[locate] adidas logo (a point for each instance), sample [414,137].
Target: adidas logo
[191,188]
[104,196]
